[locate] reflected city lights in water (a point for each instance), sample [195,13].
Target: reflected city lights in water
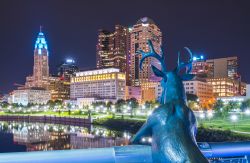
[40,136]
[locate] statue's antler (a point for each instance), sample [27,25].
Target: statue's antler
[187,65]
[152,53]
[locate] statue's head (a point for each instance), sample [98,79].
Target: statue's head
[171,80]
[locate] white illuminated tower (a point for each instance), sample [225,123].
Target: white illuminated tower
[41,64]
[41,59]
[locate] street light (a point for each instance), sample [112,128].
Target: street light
[210,114]
[149,113]
[247,112]
[202,115]
[234,118]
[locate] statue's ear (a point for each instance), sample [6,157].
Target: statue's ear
[187,76]
[157,72]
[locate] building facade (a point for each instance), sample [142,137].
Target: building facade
[226,87]
[133,92]
[59,89]
[67,69]
[202,89]
[222,74]
[145,29]
[148,91]
[200,67]
[30,96]
[248,91]
[41,64]
[111,49]
[223,68]
[106,83]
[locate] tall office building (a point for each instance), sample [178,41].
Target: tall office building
[200,67]
[67,69]
[226,87]
[145,29]
[223,75]
[112,48]
[41,64]
[223,68]
[59,88]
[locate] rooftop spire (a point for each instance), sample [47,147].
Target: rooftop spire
[41,28]
[41,42]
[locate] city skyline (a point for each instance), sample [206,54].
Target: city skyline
[77,37]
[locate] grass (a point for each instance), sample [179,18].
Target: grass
[242,124]
[217,122]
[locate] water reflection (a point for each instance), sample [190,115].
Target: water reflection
[40,136]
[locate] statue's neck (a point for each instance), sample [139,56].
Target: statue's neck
[173,95]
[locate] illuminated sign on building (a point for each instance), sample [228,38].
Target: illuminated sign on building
[98,71]
[98,75]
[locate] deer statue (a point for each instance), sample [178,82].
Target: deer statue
[172,125]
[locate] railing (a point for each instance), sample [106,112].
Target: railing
[48,119]
[125,154]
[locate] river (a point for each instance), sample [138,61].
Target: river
[23,136]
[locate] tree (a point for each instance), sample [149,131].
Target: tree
[219,105]
[133,104]
[232,105]
[193,105]
[119,103]
[80,112]
[245,104]
[69,112]
[4,104]
[148,104]
[108,105]
[191,97]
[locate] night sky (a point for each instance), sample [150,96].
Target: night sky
[215,28]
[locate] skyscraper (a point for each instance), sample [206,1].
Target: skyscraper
[200,67]
[41,64]
[111,48]
[223,68]
[59,86]
[145,29]
[67,69]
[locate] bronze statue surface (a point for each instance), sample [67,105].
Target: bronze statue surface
[172,125]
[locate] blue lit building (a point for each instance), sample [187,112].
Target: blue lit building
[41,64]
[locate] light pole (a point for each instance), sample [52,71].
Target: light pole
[210,115]
[247,112]
[234,119]
[202,116]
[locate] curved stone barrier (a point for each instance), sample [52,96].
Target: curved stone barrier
[48,119]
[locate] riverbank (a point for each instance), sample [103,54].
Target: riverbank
[205,134]
[47,119]
[213,130]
